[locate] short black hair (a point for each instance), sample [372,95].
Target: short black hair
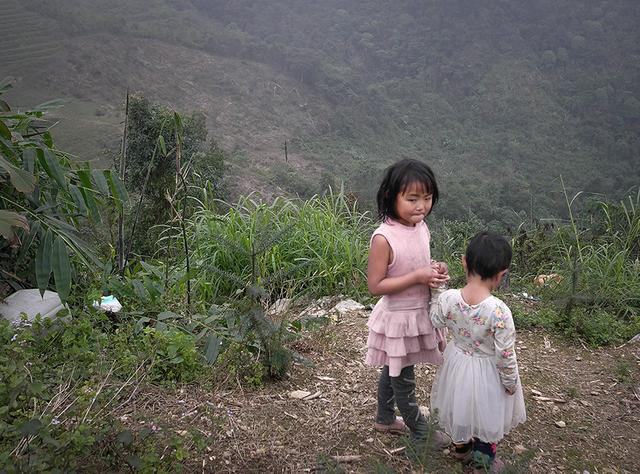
[396,179]
[487,255]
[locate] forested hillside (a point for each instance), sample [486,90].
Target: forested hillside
[501,98]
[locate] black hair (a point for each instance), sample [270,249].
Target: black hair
[487,255]
[396,179]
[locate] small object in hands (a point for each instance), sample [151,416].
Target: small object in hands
[109,304]
[439,286]
[436,267]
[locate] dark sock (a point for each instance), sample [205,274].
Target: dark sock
[483,454]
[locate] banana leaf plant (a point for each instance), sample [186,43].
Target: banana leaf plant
[45,197]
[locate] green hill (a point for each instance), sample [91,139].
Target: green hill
[501,98]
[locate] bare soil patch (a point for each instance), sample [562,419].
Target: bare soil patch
[583,411]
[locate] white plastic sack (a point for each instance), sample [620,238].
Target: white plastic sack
[31,303]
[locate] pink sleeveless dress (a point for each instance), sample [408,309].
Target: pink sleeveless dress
[400,330]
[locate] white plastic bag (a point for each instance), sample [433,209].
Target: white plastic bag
[109,304]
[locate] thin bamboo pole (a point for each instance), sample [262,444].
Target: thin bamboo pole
[184,211]
[123,167]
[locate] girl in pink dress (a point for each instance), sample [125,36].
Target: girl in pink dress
[401,269]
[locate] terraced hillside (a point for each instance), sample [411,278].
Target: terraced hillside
[251,108]
[27,38]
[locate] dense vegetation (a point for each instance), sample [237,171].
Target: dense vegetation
[66,382]
[154,134]
[502,101]
[502,98]
[46,201]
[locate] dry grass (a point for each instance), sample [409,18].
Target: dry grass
[264,430]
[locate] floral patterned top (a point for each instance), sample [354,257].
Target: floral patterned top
[485,329]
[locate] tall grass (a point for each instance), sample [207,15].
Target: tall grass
[318,246]
[598,257]
[450,239]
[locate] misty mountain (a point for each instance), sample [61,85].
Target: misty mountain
[501,98]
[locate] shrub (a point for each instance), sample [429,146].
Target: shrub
[173,355]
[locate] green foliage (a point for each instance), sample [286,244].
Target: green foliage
[624,371]
[449,239]
[601,271]
[65,383]
[331,239]
[173,354]
[252,323]
[179,343]
[242,364]
[596,254]
[246,259]
[40,381]
[209,167]
[534,251]
[45,200]
[152,135]
[319,246]
[161,145]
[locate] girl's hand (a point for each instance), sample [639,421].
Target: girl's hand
[440,275]
[430,276]
[424,275]
[441,267]
[438,280]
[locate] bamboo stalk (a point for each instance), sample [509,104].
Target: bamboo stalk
[184,210]
[123,165]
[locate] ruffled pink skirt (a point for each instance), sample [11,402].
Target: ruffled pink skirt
[401,334]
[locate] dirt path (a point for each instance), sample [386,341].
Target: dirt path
[596,394]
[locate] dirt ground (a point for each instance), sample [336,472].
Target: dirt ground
[583,408]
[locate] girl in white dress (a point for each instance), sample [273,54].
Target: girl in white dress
[477,393]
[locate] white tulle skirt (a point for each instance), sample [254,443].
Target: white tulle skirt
[470,400]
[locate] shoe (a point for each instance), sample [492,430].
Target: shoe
[440,440]
[463,457]
[437,440]
[496,467]
[397,427]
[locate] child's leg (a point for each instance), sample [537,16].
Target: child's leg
[404,389]
[484,455]
[386,400]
